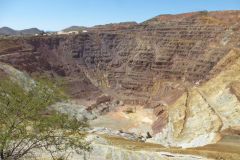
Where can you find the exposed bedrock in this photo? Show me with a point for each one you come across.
(203, 112)
(163, 63)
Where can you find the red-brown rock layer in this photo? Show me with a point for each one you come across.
(152, 63)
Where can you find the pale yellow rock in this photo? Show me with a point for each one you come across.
(199, 115)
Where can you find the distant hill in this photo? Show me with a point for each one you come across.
(11, 32)
(31, 31)
(120, 25)
(74, 28)
(7, 31)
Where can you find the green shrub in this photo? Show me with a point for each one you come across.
(27, 123)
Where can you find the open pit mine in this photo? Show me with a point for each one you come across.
(166, 88)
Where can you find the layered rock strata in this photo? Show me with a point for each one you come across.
(158, 63)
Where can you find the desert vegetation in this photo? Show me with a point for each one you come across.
(27, 124)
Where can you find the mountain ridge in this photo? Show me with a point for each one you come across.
(7, 31)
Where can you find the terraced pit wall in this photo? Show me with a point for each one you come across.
(152, 63)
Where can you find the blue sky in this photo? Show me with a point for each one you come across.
(59, 14)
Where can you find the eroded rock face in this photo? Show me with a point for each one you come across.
(105, 149)
(156, 63)
(18, 77)
(203, 112)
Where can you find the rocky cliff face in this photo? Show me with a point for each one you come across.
(201, 113)
(158, 63)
